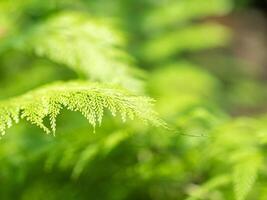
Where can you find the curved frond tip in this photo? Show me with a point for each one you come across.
(91, 99)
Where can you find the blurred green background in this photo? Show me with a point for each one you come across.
(205, 64)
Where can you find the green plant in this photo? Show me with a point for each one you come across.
(62, 56)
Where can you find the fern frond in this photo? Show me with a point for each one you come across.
(190, 39)
(244, 175)
(176, 12)
(88, 46)
(91, 99)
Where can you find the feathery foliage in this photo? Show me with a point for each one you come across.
(60, 56)
(181, 12)
(89, 46)
(245, 173)
(89, 99)
(190, 39)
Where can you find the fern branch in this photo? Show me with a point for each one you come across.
(245, 173)
(91, 99)
(190, 39)
(168, 13)
(87, 46)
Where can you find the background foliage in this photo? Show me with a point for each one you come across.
(95, 56)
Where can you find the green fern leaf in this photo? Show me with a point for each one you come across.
(190, 39)
(86, 45)
(244, 175)
(168, 13)
(91, 99)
